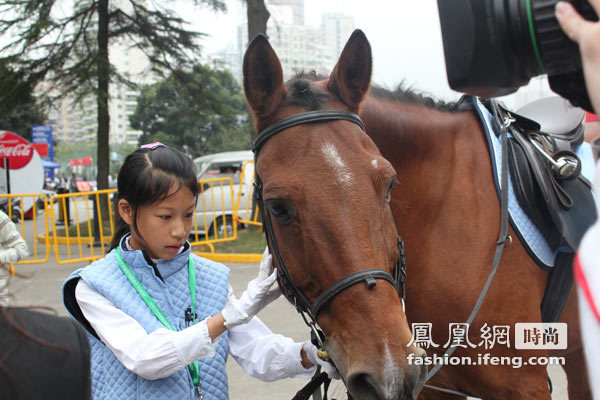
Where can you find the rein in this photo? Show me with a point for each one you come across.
(309, 311)
(507, 120)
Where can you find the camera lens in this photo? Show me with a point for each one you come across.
(492, 47)
(554, 52)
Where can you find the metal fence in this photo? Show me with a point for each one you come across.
(248, 212)
(29, 212)
(79, 226)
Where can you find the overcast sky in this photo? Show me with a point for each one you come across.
(404, 35)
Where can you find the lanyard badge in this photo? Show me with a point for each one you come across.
(194, 367)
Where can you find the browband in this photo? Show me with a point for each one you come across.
(303, 118)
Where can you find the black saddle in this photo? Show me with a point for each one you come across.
(546, 172)
(547, 181)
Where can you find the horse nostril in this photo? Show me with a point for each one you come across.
(360, 387)
(365, 387)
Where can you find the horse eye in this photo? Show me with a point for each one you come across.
(280, 210)
(389, 189)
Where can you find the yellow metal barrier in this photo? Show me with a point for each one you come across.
(226, 257)
(24, 210)
(248, 212)
(215, 213)
(77, 228)
(81, 229)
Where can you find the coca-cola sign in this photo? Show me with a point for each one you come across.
(16, 149)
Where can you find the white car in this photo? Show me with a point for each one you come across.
(226, 181)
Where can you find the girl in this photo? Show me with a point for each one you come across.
(161, 321)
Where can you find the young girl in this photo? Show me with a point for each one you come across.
(161, 321)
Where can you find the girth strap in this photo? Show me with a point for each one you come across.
(367, 275)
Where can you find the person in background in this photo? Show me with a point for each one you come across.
(73, 183)
(161, 321)
(587, 261)
(12, 249)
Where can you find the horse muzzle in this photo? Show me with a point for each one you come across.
(390, 383)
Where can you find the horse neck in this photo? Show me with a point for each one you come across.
(417, 138)
(441, 160)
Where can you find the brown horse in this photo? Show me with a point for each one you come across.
(326, 188)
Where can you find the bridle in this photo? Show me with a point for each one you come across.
(309, 311)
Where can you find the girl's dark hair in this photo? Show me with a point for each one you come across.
(147, 175)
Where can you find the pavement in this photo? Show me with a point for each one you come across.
(40, 285)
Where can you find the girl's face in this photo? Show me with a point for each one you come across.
(164, 226)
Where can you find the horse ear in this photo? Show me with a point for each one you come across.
(263, 78)
(351, 77)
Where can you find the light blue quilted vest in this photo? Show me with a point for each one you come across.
(110, 379)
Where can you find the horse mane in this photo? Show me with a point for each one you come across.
(408, 95)
(301, 93)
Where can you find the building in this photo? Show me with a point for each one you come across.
(289, 12)
(334, 32)
(76, 121)
(300, 48)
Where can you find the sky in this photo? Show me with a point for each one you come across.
(405, 37)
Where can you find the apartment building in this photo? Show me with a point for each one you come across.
(300, 48)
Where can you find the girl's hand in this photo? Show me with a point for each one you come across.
(310, 350)
(257, 296)
(587, 35)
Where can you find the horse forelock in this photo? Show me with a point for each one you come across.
(302, 93)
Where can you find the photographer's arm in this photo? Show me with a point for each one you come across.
(587, 35)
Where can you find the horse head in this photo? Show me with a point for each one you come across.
(324, 189)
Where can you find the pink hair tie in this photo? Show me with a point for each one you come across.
(152, 146)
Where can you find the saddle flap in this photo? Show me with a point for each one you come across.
(555, 115)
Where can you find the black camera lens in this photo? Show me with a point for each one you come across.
(492, 47)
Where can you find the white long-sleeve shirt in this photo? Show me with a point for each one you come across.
(12, 246)
(260, 352)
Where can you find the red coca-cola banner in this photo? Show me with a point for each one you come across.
(18, 150)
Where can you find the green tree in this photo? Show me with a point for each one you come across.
(70, 49)
(202, 110)
(19, 113)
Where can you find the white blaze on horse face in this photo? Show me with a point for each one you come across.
(374, 162)
(391, 374)
(342, 174)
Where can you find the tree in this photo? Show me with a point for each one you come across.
(22, 111)
(202, 111)
(72, 50)
(258, 16)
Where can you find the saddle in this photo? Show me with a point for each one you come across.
(547, 181)
(546, 171)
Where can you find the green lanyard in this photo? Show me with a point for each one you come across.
(193, 368)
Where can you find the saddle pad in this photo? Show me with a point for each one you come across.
(528, 233)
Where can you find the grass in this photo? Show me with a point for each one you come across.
(83, 229)
(250, 240)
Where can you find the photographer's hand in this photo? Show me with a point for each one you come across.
(587, 35)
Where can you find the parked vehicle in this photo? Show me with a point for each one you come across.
(218, 196)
